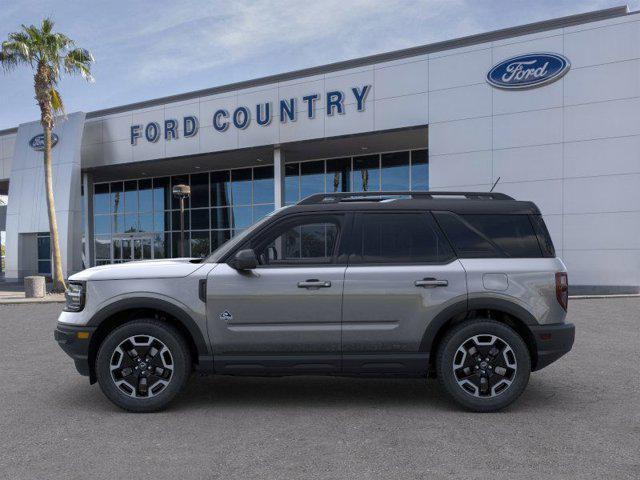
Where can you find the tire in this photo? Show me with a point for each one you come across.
(148, 346)
(461, 369)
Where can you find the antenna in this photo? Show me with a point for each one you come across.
(494, 185)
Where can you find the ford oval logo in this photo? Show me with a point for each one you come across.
(37, 142)
(528, 71)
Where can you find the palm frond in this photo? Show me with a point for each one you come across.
(56, 101)
(79, 60)
(47, 25)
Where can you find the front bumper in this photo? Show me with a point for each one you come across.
(75, 341)
(552, 342)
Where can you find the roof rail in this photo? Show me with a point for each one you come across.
(378, 196)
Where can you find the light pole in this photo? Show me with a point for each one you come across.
(181, 192)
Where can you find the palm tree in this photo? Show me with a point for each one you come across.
(47, 53)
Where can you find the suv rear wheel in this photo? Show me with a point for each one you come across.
(483, 364)
(142, 365)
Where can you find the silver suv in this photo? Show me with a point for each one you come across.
(463, 286)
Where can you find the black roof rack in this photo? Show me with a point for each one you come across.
(379, 196)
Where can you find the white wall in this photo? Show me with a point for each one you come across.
(572, 146)
(26, 206)
(7, 143)
(398, 98)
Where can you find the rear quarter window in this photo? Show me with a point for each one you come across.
(491, 235)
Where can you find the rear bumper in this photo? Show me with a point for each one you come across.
(74, 345)
(552, 342)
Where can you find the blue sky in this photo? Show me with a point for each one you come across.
(148, 49)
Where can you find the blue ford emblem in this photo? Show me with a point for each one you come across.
(528, 71)
(37, 142)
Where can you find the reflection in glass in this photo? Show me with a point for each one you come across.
(145, 222)
(131, 196)
(292, 183)
(241, 186)
(117, 248)
(117, 192)
(131, 223)
(200, 219)
(220, 189)
(161, 245)
(145, 196)
(200, 190)
(366, 173)
(102, 247)
(219, 237)
(311, 178)
(175, 220)
(101, 198)
(102, 225)
(395, 171)
(161, 194)
(200, 244)
(161, 221)
(420, 170)
(220, 218)
(260, 211)
(263, 185)
(338, 175)
(117, 224)
(242, 217)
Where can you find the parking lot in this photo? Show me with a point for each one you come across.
(579, 418)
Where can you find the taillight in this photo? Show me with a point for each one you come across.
(562, 289)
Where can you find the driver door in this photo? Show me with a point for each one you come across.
(285, 315)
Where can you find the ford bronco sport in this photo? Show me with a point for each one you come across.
(463, 286)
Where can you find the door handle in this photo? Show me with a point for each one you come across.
(314, 283)
(431, 283)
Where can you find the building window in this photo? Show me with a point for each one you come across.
(140, 219)
(44, 253)
(404, 170)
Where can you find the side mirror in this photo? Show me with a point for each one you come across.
(245, 260)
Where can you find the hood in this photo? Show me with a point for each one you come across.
(173, 268)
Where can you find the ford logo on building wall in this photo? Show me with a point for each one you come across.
(528, 71)
(37, 142)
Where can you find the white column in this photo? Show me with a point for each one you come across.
(87, 207)
(278, 176)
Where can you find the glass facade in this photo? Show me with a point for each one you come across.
(380, 172)
(140, 219)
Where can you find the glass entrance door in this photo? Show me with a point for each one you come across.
(130, 247)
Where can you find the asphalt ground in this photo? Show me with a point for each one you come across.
(578, 418)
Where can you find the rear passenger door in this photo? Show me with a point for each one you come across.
(401, 274)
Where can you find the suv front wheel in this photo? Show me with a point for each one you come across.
(142, 365)
(483, 364)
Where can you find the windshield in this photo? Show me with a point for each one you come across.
(230, 244)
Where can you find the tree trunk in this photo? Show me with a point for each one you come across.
(42, 85)
(58, 279)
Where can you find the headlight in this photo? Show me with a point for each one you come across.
(74, 297)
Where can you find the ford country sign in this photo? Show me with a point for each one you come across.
(37, 142)
(528, 71)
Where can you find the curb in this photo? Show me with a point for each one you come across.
(21, 301)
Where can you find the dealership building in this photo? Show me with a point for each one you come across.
(550, 111)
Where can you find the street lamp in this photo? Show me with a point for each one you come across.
(181, 192)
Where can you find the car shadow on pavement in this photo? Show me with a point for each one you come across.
(237, 393)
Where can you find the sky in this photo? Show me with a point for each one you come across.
(150, 49)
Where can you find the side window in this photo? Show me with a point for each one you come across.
(399, 238)
(491, 235)
(304, 240)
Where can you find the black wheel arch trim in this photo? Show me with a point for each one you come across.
(463, 307)
(155, 304)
